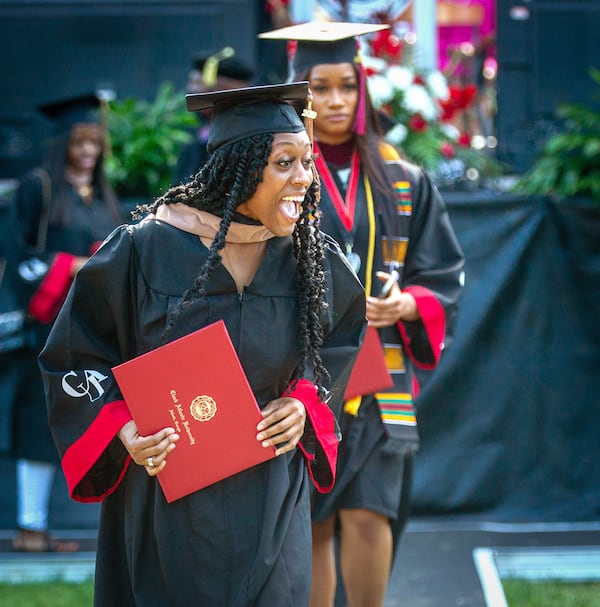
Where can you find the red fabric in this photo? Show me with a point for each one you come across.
(433, 317)
(338, 154)
(81, 456)
(344, 207)
(416, 387)
(323, 422)
(49, 297)
(271, 5)
(95, 246)
(360, 119)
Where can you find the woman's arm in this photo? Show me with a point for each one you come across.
(92, 333)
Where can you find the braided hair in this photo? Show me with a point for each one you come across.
(229, 178)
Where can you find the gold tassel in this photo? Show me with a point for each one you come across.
(309, 115)
(210, 71)
(352, 405)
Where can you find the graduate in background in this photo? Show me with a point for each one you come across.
(210, 72)
(65, 208)
(240, 243)
(394, 228)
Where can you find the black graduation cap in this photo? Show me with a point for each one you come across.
(73, 110)
(224, 63)
(240, 113)
(324, 41)
(330, 42)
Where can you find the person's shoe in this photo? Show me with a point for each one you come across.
(29, 540)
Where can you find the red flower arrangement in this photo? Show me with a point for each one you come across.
(425, 109)
(460, 99)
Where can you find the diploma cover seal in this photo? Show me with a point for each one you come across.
(203, 408)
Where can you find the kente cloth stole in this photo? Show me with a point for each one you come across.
(396, 407)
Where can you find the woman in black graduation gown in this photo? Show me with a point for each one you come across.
(391, 222)
(65, 208)
(239, 243)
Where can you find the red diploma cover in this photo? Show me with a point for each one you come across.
(370, 373)
(197, 385)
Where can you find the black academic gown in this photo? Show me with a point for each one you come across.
(244, 541)
(85, 227)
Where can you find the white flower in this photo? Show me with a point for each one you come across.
(450, 130)
(438, 85)
(400, 76)
(374, 64)
(397, 134)
(380, 89)
(418, 101)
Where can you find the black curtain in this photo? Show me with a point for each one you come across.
(510, 420)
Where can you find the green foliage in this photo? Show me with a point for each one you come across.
(423, 148)
(569, 164)
(146, 139)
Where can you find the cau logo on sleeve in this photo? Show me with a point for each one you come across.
(88, 383)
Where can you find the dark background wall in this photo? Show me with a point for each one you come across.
(545, 49)
(51, 49)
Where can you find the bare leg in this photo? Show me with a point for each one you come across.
(365, 556)
(322, 593)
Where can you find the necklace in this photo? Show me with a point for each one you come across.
(82, 184)
(85, 191)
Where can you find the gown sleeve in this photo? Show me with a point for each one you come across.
(91, 334)
(432, 274)
(344, 332)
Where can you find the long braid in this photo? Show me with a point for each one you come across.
(198, 288)
(232, 174)
(310, 276)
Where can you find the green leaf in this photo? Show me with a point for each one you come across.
(569, 164)
(146, 138)
(591, 148)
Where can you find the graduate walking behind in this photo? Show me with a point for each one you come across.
(239, 243)
(394, 228)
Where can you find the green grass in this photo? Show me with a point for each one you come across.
(519, 593)
(47, 594)
(537, 593)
